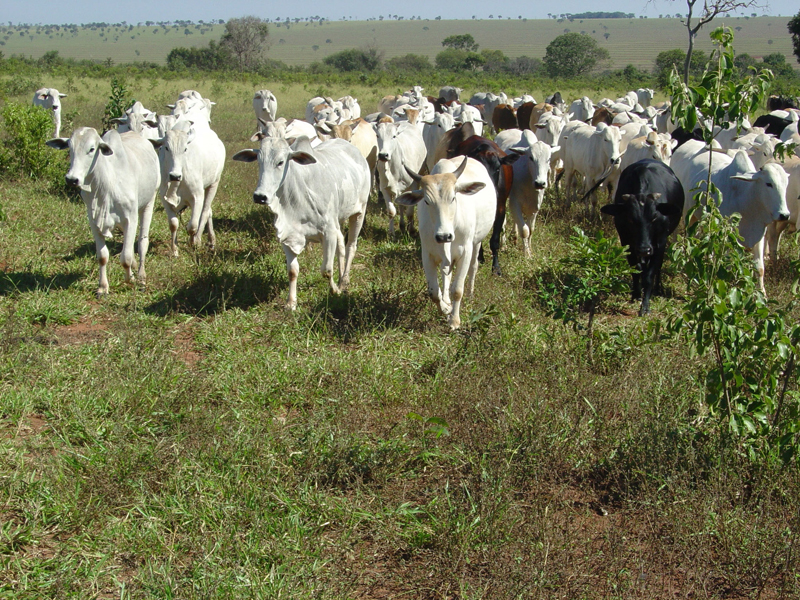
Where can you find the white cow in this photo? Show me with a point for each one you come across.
(457, 214)
(759, 196)
(656, 146)
(399, 145)
(139, 119)
(645, 96)
(760, 146)
(351, 109)
(118, 176)
(362, 135)
(191, 167)
(531, 176)
(792, 168)
(312, 191)
(50, 99)
(265, 105)
(582, 109)
(433, 132)
(591, 151)
(489, 101)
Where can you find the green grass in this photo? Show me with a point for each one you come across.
(630, 41)
(191, 439)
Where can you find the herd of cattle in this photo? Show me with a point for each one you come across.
(431, 153)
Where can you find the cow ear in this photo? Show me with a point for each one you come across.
(151, 123)
(172, 106)
(58, 143)
(42, 96)
(554, 149)
(510, 159)
(257, 136)
(157, 143)
(105, 149)
(669, 210)
(246, 155)
(410, 198)
(302, 158)
(471, 188)
(62, 95)
(612, 209)
(745, 177)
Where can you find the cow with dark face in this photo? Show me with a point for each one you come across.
(646, 209)
(499, 166)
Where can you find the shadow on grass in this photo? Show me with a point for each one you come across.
(258, 222)
(21, 282)
(394, 305)
(89, 250)
(215, 291)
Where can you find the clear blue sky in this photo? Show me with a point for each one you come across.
(86, 11)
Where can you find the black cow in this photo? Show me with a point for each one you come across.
(682, 136)
(772, 124)
(781, 102)
(646, 209)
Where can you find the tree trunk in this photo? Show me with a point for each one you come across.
(690, 5)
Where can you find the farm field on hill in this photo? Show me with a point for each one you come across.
(630, 41)
(191, 439)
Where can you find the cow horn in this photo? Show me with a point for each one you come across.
(415, 176)
(461, 168)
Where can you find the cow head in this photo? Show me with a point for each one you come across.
(537, 154)
(644, 220)
(611, 138)
(274, 158)
(439, 193)
(265, 105)
(387, 140)
(85, 149)
(173, 149)
(769, 189)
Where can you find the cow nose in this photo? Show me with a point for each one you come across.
(383, 156)
(646, 251)
(443, 238)
(783, 217)
(615, 161)
(259, 198)
(71, 180)
(175, 177)
(539, 185)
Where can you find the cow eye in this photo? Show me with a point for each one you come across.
(280, 164)
(769, 185)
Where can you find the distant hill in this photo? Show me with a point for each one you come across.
(629, 41)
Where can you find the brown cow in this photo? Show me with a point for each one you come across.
(451, 140)
(524, 115)
(504, 117)
(603, 115)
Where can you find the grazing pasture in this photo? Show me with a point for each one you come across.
(192, 439)
(629, 41)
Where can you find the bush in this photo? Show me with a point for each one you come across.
(24, 129)
(355, 59)
(413, 63)
(573, 54)
(118, 102)
(458, 60)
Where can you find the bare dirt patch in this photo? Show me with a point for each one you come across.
(85, 331)
(185, 348)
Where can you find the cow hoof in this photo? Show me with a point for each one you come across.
(100, 293)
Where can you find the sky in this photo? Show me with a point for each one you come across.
(87, 11)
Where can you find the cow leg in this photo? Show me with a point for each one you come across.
(773, 239)
(172, 219)
(356, 222)
(473, 271)
(523, 231)
(432, 277)
(758, 254)
(330, 243)
(102, 259)
(193, 224)
(647, 276)
(205, 217)
(128, 227)
(145, 217)
(461, 266)
(293, 270)
(497, 231)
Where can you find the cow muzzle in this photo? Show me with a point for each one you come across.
(783, 217)
(175, 176)
(645, 251)
(539, 185)
(260, 198)
(443, 238)
(72, 180)
(383, 157)
(616, 161)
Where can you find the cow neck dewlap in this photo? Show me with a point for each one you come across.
(100, 191)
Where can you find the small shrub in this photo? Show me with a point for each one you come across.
(23, 132)
(118, 102)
